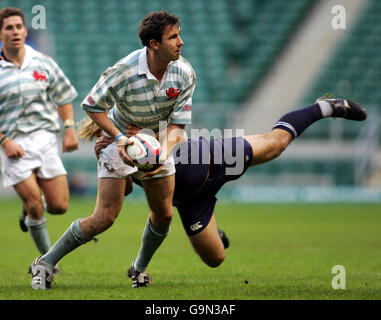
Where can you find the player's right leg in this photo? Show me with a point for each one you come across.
(109, 202)
(268, 146)
(291, 125)
(344, 108)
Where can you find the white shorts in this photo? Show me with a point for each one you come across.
(110, 165)
(41, 155)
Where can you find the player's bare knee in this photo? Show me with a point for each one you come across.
(215, 260)
(56, 209)
(34, 208)
(212, 258)
(163, 217)
(101, 221)
(167, 217)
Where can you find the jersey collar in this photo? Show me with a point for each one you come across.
(143, 65)
(3, 56)
(30, 53)
(4, 62)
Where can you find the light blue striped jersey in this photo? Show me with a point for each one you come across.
(135, 96)
(29, 95)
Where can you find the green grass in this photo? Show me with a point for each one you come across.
(280, 251)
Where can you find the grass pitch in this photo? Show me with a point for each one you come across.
(282, 251)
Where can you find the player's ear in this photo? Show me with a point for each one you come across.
(154, 44)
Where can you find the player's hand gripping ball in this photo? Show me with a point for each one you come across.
(144, 152)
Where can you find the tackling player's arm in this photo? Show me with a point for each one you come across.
(174, 134)
(169, 138)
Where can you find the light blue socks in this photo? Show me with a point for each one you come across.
(71, 239)
(151, 241)
(39, 233)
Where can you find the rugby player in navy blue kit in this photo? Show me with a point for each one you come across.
(198, 181)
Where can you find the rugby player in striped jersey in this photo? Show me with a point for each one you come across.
(151, 88)
(34, 95)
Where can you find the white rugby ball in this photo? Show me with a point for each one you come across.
(145, 151)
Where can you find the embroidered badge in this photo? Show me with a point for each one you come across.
(172, 93)
(39, 76)
(91, 101)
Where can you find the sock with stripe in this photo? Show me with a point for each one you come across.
(296, 122)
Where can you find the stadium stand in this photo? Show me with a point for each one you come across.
(229, 49)
(231, 44)
(353, 71)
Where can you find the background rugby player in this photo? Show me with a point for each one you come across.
(34, 95)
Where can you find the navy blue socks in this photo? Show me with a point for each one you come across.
(296, 122)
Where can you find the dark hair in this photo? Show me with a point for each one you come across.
(154, 24)
(9, 12)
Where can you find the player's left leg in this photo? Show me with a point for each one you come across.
(29, 192)
(208, 244)
(56, 193)
(159, 193)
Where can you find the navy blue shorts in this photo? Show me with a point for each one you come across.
(196, 187)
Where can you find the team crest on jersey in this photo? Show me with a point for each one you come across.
(91, 101)
(39, 76)
(172, 93)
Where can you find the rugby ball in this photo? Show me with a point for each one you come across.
(145, 151)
